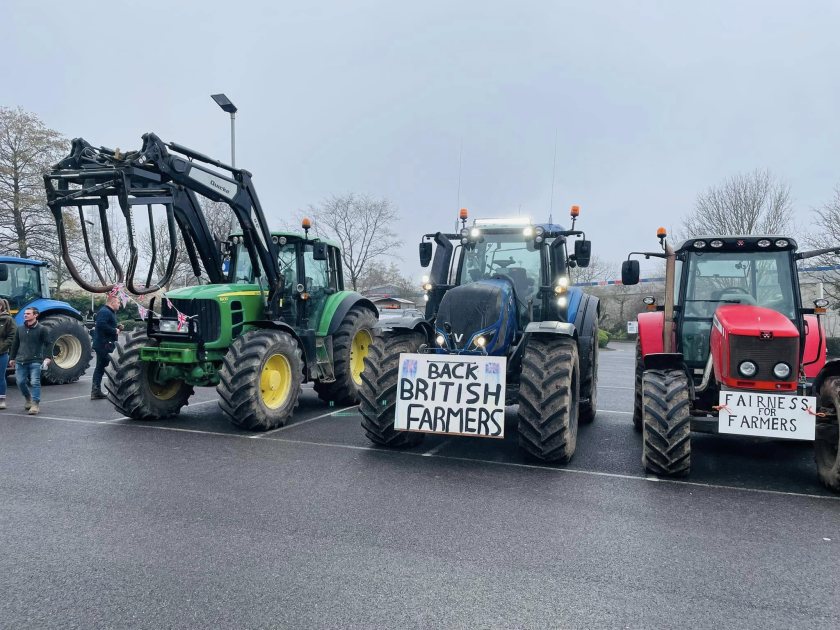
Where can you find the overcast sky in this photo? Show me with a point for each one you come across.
(650, 102)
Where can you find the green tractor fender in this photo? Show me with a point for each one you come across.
(336, 308)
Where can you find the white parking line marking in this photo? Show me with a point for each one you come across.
(431, 452)
(302, 422)
(625, 413)
(613, 387)
(470, 460)
(63, 399)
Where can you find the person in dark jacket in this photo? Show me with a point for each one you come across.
(8, 330)
(105, 333)
(30, 352)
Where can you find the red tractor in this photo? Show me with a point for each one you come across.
(732, 350)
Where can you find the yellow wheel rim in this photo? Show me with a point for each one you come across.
(67, 351)
(275, 381)
(359, 348)
(166, 391)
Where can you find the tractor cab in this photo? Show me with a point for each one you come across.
(749, 271)
(310, 268)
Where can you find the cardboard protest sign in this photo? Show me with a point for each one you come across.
(767, 415)
(456, 394)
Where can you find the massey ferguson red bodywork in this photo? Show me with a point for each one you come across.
(768, 330)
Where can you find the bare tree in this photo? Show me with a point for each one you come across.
(362, 226)
(27, 149)
(827, 234)
(747, 203)
(598, 271)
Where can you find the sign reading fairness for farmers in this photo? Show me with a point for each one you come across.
(460, 394)
(767, 415)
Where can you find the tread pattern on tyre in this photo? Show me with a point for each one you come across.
(344, 390)
(637, 389)
(589, 378)
(378, 392)
(239, 379)
(55, 375)
(548, 398)
(827, 442)
(126, 384)
(666, 420)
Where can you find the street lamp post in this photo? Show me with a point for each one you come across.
(224, 102)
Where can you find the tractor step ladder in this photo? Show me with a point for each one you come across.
(324, 359)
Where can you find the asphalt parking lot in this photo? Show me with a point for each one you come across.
(105, 522)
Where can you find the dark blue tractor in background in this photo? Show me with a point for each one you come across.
(24, 283)
(500, 288)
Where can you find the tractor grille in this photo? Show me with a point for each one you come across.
(765, 353)
(209, 316)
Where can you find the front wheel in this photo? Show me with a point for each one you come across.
(71, 349)
(827, 442)
(549, 393)
(260, 379)
(132, 385)
(379, 389)
(666, 423)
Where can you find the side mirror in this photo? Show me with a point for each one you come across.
(425, 254)
(630, 272)
(319, 250)
(583, 252)
(4, 272)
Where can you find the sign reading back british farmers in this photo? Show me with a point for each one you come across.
(459, 394)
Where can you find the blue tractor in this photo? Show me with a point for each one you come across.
(499, 288)
(24, 283)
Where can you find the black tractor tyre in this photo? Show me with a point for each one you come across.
(588, 350)
(637, 389)
(260, 379)
(131, 387)
(827, 438)
(71, 349)
(549, 396)
(379, 388)
(351, 344)
(666, 423)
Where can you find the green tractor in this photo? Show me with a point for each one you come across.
(274, 313)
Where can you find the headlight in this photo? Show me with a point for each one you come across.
(441, 340)
(716, 244)
(781, 370)
(699, 244)
(168, 326)
(425, 297)
(465, 240)
(480, 341)
(562, 301)
(427, 286)
(539, 239)
(540, 230)
(465, 232)
(475, 233)
(781, 243)
(562, 285)
(528, 232)
(748, 369)
(763, 243)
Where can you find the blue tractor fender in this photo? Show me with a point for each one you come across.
(575, 296)
(48, 307)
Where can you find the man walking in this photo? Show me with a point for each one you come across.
(30, 348)
(105, 332)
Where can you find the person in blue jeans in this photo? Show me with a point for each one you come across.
(29, 351)
(8, 329)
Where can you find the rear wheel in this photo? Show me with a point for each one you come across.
(379, 389)
(260, 379)
(666, 431)
(549, 392)
(71, 349)
(637, 390)
(351, 344)
(827, 443)
(132, 385)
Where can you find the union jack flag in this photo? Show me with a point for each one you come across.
(143, 311)
(182, 319)
(169, 304)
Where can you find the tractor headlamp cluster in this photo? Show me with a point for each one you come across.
(763, 243)
(539, 231)
(562, 285)
(748, 369)
(440, 340)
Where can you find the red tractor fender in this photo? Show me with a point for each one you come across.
(814, 357)
(651, 325)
